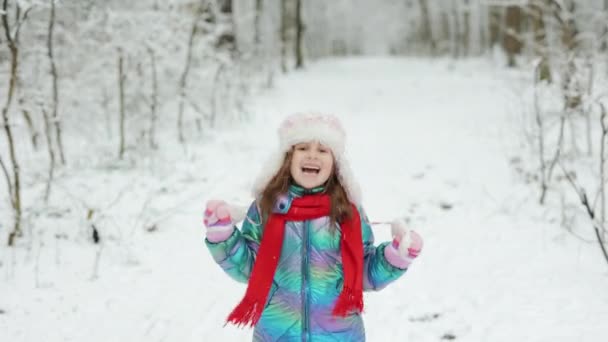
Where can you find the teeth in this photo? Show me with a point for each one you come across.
(314, 169)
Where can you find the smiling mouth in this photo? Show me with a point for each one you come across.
(311, 170)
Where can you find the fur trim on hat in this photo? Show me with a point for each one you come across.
(299, 128)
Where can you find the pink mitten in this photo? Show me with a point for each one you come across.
(218, 221)
(405, 247)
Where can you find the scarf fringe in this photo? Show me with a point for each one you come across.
(348, 302)
(248, 312)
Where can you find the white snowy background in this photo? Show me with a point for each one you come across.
(440, 141)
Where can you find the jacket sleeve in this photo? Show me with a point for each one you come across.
(377, 271)
(236, 255)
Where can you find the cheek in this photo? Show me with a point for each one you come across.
(292, 167)
(295, 158)
(330, 163)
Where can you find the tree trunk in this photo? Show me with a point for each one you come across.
(284, 39)
(184, 77)
(540, 46)
(55, 103)
(426, 33)
(49, 143)
(217, 86)
(456, 30)
(257, 26)
(121, 97)
(495, 24)
(14, 186)
(226, 6)
(445, 27)
(570, 86)
(153, 101)
(605, 41)
(30, 124)
(466, 30)
(299, 36)
(512, 43)
(483, 27)
(603, 169)
(569, 29)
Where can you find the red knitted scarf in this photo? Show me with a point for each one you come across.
(309, 207)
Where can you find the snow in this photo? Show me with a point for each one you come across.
(424, 135)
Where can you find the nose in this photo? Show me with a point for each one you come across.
(312, 154)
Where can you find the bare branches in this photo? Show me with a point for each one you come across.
(5, 24)
(585, 203)
(598, 226)
(541, 139)
(49, 143)
(9, 183)
(184, 76)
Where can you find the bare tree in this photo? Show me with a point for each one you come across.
(55, 88)
(183, 80)
(153, 100)
(466, 28)
(587, 113)
(603, 169)
(28, 120)
(121, 105)
(455, 31)
(605, 34)
(535, 13)
(257, 25)
(225, 6)
(604, 46)
(546, 170)
(426, 34)
(51, 151)
(512, 43)
(217, 81)
(598, 226)
(284, 35)
(299, 36)
(495, 24)
(14, 185)
(541, 142)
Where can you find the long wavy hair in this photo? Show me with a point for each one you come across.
(279, 184)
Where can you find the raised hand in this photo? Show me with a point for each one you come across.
(218, 221)
(406, 245)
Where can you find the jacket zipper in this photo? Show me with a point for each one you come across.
(305, 276)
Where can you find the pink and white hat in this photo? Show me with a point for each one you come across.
(303, 127)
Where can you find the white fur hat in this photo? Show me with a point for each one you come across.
(303, 127)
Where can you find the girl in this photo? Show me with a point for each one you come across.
(306, 249)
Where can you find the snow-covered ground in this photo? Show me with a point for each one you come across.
(429, 140)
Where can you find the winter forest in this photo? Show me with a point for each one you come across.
(482, 123)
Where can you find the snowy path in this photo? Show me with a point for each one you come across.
(422, 137)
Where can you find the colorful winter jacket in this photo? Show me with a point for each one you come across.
(308, 278)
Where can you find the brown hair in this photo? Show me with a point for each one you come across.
(279, 184)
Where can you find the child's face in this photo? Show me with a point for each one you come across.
(311, 164)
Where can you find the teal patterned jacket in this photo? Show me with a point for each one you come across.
(308, 278)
